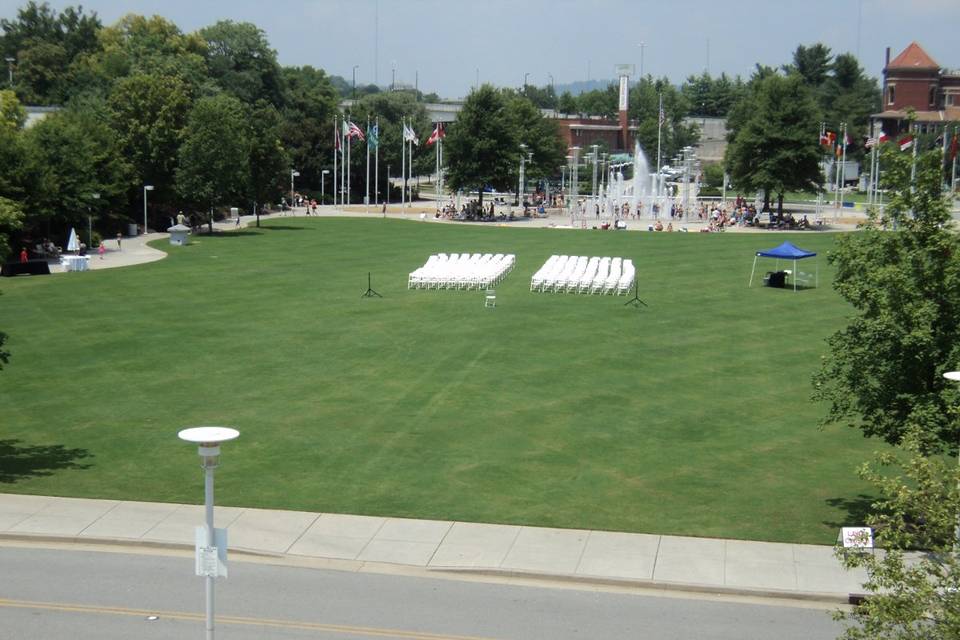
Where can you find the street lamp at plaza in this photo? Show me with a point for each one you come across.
(92, 196)
(293, 174)
(525, 76)
(10, 62)
(642, 45)
(355, 67)
(146, 187)
(523, 159)
(323, 184)
(209, 558)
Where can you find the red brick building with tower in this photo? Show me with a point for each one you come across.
(913, 80)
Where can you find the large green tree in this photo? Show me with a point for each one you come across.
(307, 122)
(214, 160)
(240, 60)
(69, 156)
(269, 162)
(883, 371)
(149, 113)
(774, 138)
(481, 147)
(913, 585)
(540, 135)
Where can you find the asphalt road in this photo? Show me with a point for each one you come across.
(51, 594)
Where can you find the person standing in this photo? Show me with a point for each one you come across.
(24, 257)
(101, 250)
(119, 236)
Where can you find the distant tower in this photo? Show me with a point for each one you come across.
(624, 71)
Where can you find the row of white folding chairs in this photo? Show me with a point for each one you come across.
(461, 271)
(583, 275)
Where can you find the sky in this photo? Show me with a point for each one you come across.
(445, 45)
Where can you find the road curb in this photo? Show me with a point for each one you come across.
(339, 564)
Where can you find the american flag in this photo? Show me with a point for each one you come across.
(355, 132)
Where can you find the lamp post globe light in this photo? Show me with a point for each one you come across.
(209, 440)
(293, 174)
(146, 187)
(323, 184)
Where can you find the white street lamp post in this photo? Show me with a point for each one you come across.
(94, 196)
(146, 187)
(954, 376)
(209, 439)
(293, 174)
(10, 62)
(523, 158)
(323, 184)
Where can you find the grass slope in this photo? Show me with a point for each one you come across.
(691, 416)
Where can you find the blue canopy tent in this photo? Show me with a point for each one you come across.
(786, 251)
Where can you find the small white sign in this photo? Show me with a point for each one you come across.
(856, 537)
(210, 561)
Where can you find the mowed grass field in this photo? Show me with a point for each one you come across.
(690, 416)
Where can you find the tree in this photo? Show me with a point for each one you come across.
(268, 160)
(540, 135)
(307, 128)
(240, 60)
(149, 113)
(912, 595)
(44, 44)
(481, 146)
(811, 63)
(568, 104)
(214, 159)
(883, 371)
(774, 141)
(11, 220)
(69, 156)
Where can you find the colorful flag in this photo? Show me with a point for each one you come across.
(882, 137)
(437, 134)
(870, 142)
(905, 142)
(953, 147)
(355, 132)
(827, 138)
(409, 135)
(373, 136)
(336, 141)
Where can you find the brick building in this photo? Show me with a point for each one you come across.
(914, 80)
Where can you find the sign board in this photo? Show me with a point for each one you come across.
(624, 89)
(856, 537)
(624, 70)
(210, 561)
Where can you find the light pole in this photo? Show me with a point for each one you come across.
(954, 376)
(388, 184)
(593, 183)
(146, 187)
(323, 184)
(93, 196)
(293, 174)
(208, 557)
(523, 158)
(355, 67)
(393, 75)
(642, 45)
(10, 62)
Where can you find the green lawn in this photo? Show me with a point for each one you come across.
(690, 416)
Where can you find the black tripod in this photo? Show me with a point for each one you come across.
(636, 295)
(369, 293)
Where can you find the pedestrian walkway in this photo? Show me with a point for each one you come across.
(365, 542)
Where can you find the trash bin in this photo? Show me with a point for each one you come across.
(132, 230)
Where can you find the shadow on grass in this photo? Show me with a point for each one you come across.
(19, 461)
(283, 227)
(855, 511)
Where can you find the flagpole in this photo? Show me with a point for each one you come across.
(336, 176)
(436, 184)
(366, 198)
(376, 167)
(343, 163)
(349, 167)
(403, 165)
(953, 174)
(659, 127)
(843, 164)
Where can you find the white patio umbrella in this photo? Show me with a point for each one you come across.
(73, 244)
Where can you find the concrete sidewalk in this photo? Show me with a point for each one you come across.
(672, 562)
